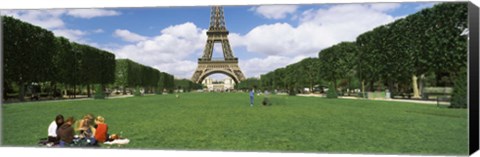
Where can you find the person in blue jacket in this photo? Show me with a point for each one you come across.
(252, 93)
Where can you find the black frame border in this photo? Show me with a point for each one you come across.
(473, 79)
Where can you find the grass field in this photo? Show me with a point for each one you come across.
(225, 121)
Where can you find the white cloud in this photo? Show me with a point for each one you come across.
(91, 13)
(49, 19)
(235, 40)
(425, 5)
(317, 30)
(169, 51)
(72, 34)
(281, 43)
(128, 36)
(275, 11)
(217, 51)
(98, 31)
(52, 20)
(256, 66)
(180, 68)
(174, 47)
(385, 6)
(285, 44)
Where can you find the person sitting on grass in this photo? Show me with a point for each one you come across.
(266, 101)
(65, 132)
(101, 131)
(85, 125)
(52, 130)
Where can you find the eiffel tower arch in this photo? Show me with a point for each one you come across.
(228, 65)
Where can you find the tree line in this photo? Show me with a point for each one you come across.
(37, 61)
(132, 75)
(187, 85)
(34, 55)
(427, 48)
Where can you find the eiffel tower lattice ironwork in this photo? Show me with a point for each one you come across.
(217, 33)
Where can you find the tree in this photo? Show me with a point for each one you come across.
(448, 48)
(107, 67)
(249, 83)
(132, 74)
(121, 74)
(332, 93)
(293, 78)
(28, 50)
(460, 90)
(166, 82)
(280, 79)
(88, 66)
(311, 70)
(398, 62)
(185, 85)
(336, 61)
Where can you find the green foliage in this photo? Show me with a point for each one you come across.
(447, 47)
(311, 70)
(35, 55)
(429, 41)
(28, 53)
(293, 78)
(66, 62)
(107, 67)
(99, 94)
(460, 90)
(137, 92)
(332, 92)
(225, 121)
(187, 85)
(166, 82)
(129, 74)
(274, 80)
(249, 84)
(121, 74)
(292, 91)
(337, 61)
(367, 61)
(304, 74)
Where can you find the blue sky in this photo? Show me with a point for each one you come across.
(262, 37)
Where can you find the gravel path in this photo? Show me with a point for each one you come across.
(433, 102)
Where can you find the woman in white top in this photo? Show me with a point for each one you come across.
(52, 129)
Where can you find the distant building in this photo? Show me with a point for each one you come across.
(218, 85)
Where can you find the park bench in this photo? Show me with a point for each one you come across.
(440, 93)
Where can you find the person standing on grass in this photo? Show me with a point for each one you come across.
(252, 94)
(66, 132)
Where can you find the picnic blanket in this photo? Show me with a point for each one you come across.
(118, 142)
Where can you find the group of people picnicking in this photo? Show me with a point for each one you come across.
(92, 131)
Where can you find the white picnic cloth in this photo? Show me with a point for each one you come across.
(118, 141)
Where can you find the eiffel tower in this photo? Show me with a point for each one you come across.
(217, 33)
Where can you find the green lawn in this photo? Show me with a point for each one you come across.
(225, 121)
